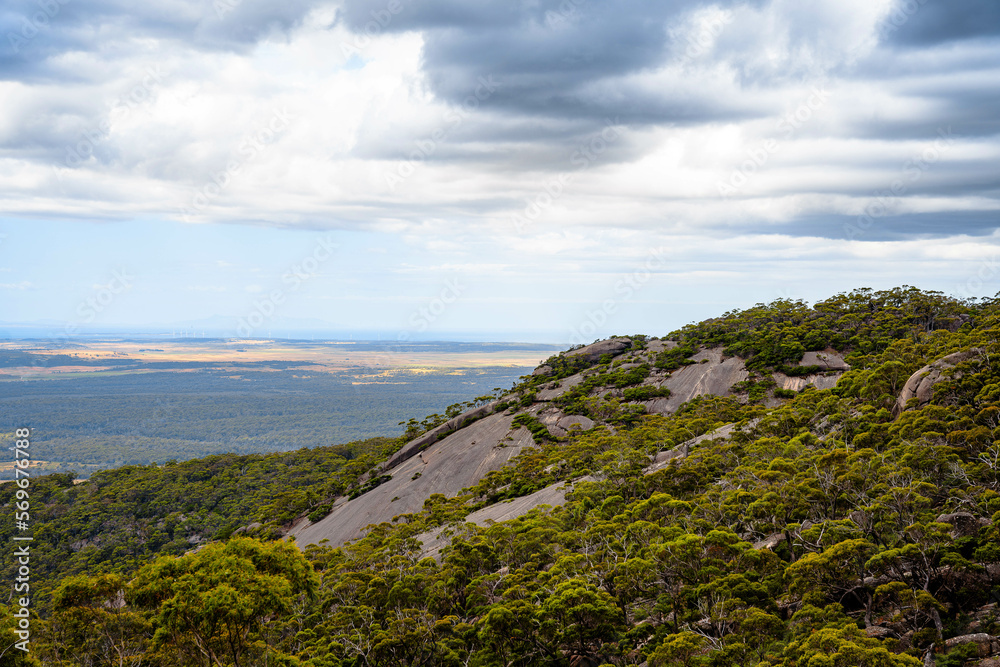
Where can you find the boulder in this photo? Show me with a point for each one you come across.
(661, 345)
(828, 360)
(878, 632)
(966, 524)
(981, 639)
(594, 352)
(569, 421)
(770, 541)
(921, 384)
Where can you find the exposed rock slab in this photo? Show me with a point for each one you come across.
(829, 360)
(661, 345)
(447, 466)
(569, 421)
(921, 384)
(552, 495)
(715, 376)
(414, 446)
(564, 385)
(594, 352)
(820, 381)
(661, 459)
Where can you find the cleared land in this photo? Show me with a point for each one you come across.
(113, 402)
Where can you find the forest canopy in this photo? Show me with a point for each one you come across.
(829, 528)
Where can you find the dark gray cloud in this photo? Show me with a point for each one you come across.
(579, 59)
(567, 59)
(888, 227)
(35, 32)
(930, 22)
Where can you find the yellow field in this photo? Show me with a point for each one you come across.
(233, 355)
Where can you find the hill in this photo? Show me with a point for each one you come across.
(784, 485)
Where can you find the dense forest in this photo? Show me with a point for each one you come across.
(91, 423)
(833, 528)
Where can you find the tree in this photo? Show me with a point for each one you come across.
(92, 624)
(214, 604)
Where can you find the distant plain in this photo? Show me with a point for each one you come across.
(107, 402)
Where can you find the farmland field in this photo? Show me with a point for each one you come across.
(111, 402)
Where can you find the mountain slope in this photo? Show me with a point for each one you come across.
(853, 523)
(459, 454)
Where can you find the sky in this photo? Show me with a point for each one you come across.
(544, 170)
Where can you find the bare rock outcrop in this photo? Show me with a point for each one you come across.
(965, 524)
(712, 374)
(660, 345)
(560, 388)
(594, 352)
(828, 360)
(447, 466)
(555, 494)
(985, 643)
(569, 421)
(820, 381)
(552, 495)
(921, 384)
(414, 446)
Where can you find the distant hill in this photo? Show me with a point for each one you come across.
(786, 485)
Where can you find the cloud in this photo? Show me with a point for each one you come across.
(448, 121)
(38, 34)
(926, 22)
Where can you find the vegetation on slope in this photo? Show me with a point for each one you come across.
(829, 531)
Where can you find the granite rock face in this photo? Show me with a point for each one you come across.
(921, 384)
(462, 451)
(457, 461)
(712, 374)
(593, 352)
(828, 360)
